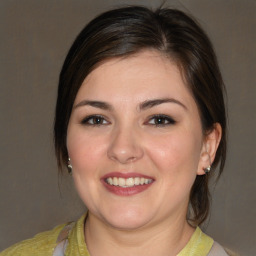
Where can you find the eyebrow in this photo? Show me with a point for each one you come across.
(151, 103)
(143, 106)
(95, 104)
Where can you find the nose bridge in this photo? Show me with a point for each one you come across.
(125, 144)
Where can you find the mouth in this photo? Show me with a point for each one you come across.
(129, 182)
(126, 184)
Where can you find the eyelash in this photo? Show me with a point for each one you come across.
(164, 118)
(92, 118)
(100, 120)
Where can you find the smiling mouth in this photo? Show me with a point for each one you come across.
(129, 182)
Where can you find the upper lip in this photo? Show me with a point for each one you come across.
(126, 175)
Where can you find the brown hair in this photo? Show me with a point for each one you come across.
(128, 30)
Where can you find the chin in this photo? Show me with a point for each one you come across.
(127, 219)
(127, 224)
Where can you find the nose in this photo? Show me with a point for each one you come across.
(125, 146)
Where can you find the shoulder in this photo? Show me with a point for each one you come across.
(217, 250)
(41, 244)
(202, 244)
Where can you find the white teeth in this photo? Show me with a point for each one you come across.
(115, 181)
(130, 182)
(110, 181)
(137, 181)
(121, 182)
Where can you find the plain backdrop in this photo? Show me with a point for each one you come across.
(35, 37)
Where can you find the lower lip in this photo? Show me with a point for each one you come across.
(129, 191)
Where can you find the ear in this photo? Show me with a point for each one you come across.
(209, 148)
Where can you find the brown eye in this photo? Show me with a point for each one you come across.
(161, 120)
(95, 120)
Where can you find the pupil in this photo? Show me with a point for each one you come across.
(159, 120)
(97, 120)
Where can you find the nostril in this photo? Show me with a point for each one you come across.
(128, 155)
(131, 159)
(123, 158)
(125, 146)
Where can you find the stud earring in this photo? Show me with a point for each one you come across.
(69, 167)
(207, 169)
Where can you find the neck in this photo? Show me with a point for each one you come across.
(167, 238)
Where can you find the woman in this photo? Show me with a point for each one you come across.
(140, 124)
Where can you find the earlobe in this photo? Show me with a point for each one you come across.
(209, 149)
(204, 162)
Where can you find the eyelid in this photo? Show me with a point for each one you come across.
(170, 120)
(85, 120)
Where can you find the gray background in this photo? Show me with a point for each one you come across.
(35, 37)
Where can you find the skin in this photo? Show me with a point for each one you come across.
(127, 140)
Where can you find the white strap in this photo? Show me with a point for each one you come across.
(60, 248)
(62, 240)
(217, 250)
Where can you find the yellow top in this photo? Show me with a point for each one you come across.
(43, 244)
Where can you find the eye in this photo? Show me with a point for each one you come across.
(161, 120)
(95, 120)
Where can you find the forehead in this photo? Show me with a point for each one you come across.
(143, 65)
(140, 76)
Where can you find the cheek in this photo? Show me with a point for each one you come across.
(84, 151)
(176, 153)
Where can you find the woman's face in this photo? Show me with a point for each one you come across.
(135, 141)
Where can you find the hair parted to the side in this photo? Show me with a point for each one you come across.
(129, 30)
